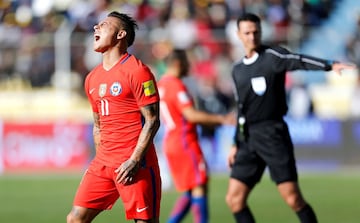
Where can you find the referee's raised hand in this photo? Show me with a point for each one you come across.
(338, 67)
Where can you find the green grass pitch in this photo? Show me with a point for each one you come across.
(44, 198)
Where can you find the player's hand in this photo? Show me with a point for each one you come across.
(231, 156)
(339, 67)
(126, 171)
(230, 119)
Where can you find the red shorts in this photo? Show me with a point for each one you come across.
(187, 165)
(99, 190)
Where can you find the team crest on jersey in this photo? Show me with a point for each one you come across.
(258, 84)
(149, 88)
(115, 89)
(102, 90)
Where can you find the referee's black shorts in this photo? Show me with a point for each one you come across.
(269, 144)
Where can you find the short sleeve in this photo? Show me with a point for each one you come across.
(182, 97)
(87, 92)
(144, 86)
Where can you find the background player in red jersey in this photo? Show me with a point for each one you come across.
(181, 147)
(125, 103)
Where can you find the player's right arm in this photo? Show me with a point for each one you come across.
(196, 116)
(203, 118)
(96, 130)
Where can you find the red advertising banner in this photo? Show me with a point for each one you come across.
(44, 146)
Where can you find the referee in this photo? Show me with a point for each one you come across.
(262, 137)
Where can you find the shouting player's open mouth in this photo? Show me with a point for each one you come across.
(96, 37)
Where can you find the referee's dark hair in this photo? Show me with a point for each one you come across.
(128, 24)
(248, 17)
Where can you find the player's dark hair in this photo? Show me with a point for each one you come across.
(180, 56)
(128, 24)
(248, 17)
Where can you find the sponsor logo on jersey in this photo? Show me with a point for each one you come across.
(92, 90)
(149, 88)
(258, 84)
(115, 89)
(102, 90)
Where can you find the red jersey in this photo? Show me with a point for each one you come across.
(175, 97)
(117, 95)
(181, 139)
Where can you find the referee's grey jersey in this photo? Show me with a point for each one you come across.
(260, 81)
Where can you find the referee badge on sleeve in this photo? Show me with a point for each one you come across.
(149, 88)
(258, 84)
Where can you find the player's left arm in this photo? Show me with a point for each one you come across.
(96, 130)
(150, 128)
(129, 168)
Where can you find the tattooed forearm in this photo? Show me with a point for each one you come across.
(96, 131)
(75, 212)
(150, 128)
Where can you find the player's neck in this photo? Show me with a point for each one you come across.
(171, 71)
(112, 57)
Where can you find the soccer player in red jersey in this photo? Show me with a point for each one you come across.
(181, 147)
(125, 102)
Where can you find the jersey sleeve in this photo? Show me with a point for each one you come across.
(182, 98)
(144, 86)
(291, 61)
(87, 92)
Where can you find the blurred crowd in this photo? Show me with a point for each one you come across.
(30, 30)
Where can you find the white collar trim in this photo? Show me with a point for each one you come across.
(248, 61)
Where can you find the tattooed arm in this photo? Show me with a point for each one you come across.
(96, 130)
(150, 128)
(128, 169)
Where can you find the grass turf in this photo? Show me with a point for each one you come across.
(43, 198)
